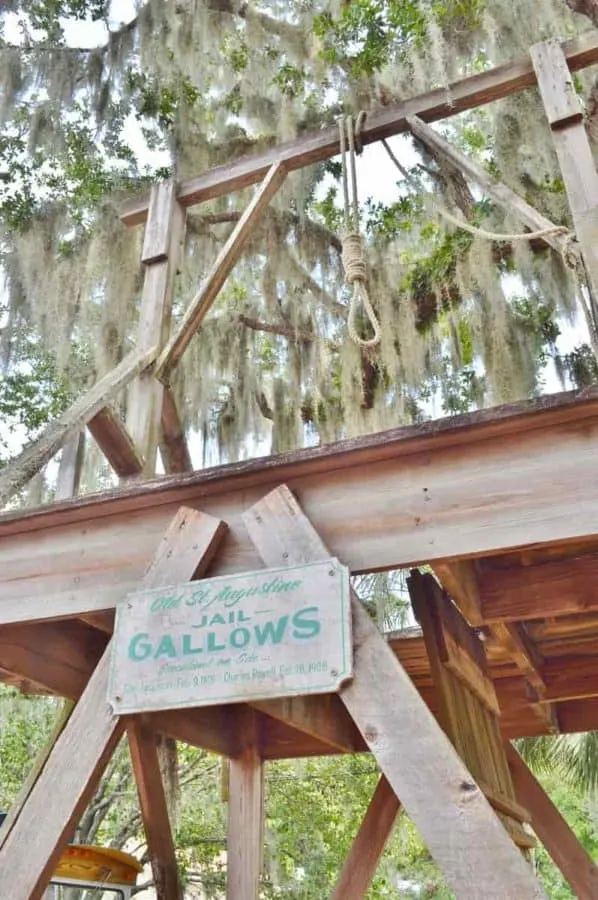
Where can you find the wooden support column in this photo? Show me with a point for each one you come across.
(143, 744)
(462, 832)
(164, 233)
(575, 864)
(69, 470)
(565, 117)
(360, 865)
(76, 763)
(245, 814)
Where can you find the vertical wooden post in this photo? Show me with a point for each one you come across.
(565, 117)
(245, 814)
(69, 470)
(576, 865)
(164, 233)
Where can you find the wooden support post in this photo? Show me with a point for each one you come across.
(69, 470)
(462, 832)
(576, 866)
(173, 446)
(143, 744)
(360, 865)
(75, 765)
(35, 455)
(565, 117)
(245, 814)
(115, 442)
(225, 261)
(164, 233)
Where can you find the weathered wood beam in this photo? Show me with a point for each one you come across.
(572, 145)
(570, 677)
(37, 454)
(497, 190)
(75, 765)
(479, 860)
(576, 866)
(555, 588)
(225, 261)
(368, 846)
(164, 234)
(212, 728)
(111, 435)
(154, 809)
(174, 449)
(462, 95)
(245, 813)
(323, 717)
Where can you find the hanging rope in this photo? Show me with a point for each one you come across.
(352, 255)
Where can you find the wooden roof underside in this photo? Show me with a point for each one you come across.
(502, 503)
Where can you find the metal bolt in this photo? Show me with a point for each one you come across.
(285, 555)
(333, 673)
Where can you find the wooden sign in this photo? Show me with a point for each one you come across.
(272, 633)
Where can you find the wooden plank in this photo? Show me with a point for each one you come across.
(111, 435)
(570, 677)
(426, 497)
(245, 814)
(317, 146)
(164, 235)
(561, 843)
(37, 454)
(325, 718)
(362, 860)
(75, 765)
(497, 190)
(69, 470)
(154, 809)
(460, 579)
(563, 110)
(536, 592)
(215, 728)
(174, 449)
(460, 829)
(223, 266)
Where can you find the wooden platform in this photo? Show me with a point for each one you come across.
(502, 503)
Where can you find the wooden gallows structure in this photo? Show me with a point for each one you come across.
(501, 505)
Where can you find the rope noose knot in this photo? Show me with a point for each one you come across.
(352, 249)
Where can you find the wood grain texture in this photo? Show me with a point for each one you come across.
(69, 470)
(368, 846)
(462, 833)
(245, 814)
(223, 265)
(324, 718)
(154, 809)
(80, 754)
(174, 449)
(468, 93)
(575, 864)
(111, 435)
(456, 488)
(165, 230)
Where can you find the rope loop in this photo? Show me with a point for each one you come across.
(352, 254)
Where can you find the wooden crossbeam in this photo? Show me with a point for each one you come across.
(454, 818)
(324, 718)
(225, 261)
(362, 860)
(537, 457)
(111, 435)
(498, 190)
(561, 843)
(75, 765)
(154, 809)
(32, 458)
(468, 93)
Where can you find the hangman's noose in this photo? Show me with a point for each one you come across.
(353, 260)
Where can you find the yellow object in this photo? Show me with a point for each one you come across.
(102, 865)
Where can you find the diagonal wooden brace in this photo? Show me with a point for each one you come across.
(461, 830)
(74, 767)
